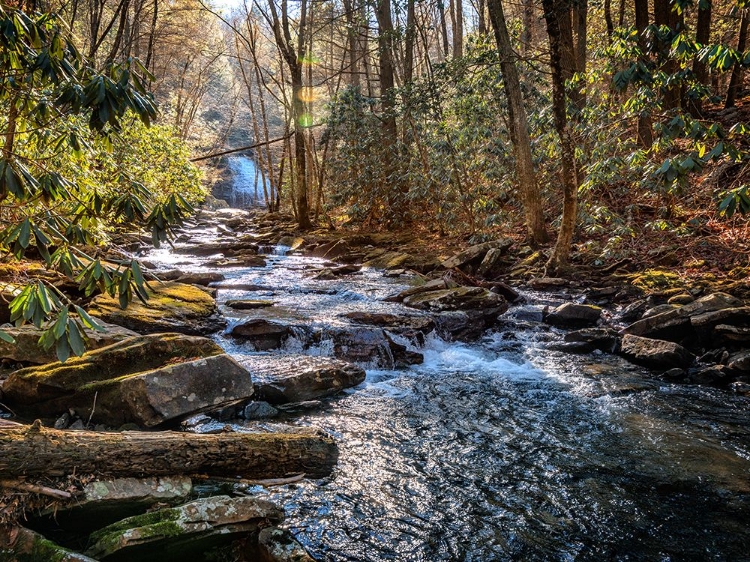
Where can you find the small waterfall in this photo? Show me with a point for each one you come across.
(246, 188)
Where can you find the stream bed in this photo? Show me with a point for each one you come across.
(501, 449)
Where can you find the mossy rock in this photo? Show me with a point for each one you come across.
(172, 307)
(33, 547)
(185, 532)
(148, 380)
(656, 279)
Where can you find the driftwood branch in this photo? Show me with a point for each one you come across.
(241, 149)
(34, 450)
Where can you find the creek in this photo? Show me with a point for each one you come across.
(500, 449)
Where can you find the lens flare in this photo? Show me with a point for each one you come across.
(305, 120)
(307, 94)
(309, 59)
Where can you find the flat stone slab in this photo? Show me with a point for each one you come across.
(298, 378)
(183, 533)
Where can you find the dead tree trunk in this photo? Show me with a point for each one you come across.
(37, 451)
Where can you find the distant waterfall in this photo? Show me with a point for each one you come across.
(246, 188)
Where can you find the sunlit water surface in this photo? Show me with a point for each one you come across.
(500, 449)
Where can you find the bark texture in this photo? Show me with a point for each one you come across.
(37, 451)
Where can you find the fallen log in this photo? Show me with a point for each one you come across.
(38, 451)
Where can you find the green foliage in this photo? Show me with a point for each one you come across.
(78, 159)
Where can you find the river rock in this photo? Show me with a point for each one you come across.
(147, 380)
(395, 323)
(476, 253)
(279, 545)
(713, 375)
(18, 544)
(103, 502)
(432, 285)
(202, 248)
(739, 362)
(27, 350)
(369, 345)
(291, 242)
(572, 314)
(732, 335)
(248, 304)
(289, 378)
(172, 307)
(183, 533)
(331, 250)
(460, 298)
(491, 262)
(238, 261)
(655, 353)
(589, 339)
(263, 334)
(548, 283)
(697, 317)
(259, 410)
(204, 278)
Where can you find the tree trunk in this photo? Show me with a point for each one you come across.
(608, 18)
(387, 101)
(409, 42)
(481, 21)
(443, 27)
(556, 13)
(645, 128)
(457, 21)
(527, 34)
(37, 451)
(352, 32)
(700, 70)
(519, 130)
(735, 83)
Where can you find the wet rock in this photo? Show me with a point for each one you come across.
(491, 262)
(674, 374)
(147, 380)
(590, 339)
(634, 311)
(548, 283)
(386, 260)
(732, 335)
(301, 378)
(655, 353)
(104, 502)
(279, 545)
(477, 253)
(369, 345)
(331, 250)
(185, 532)
(658, 309)
(459, 298)
(713, 375)
(572, 314)
(263, 334)
(27, 350)
(239, 261)
(20, 545)
(292, 242)
(248, 304)
(330, 273)
(200, 278)
(223, 247)
(739, 316)
(466, 325)
(259, 410)
(393, 322)
(172, 307)
(508, 292)
(741, 388)
(433, 285)
(739, 362)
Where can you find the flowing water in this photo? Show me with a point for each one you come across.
(501, 449)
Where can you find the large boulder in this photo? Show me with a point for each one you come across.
(18, 544)
(279, 545)
(693, 319)
(475, 254)
(186, 532)
(262, 334)
(26, 347)
(369, 345)
(147, 380)
(459, 298)
(287, 378)
(574, 315)
(171, 307)
(655, 353)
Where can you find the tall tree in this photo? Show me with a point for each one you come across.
(519, 129)
(293, 56)
(645, 130)
(735, 82)
(557, 18)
